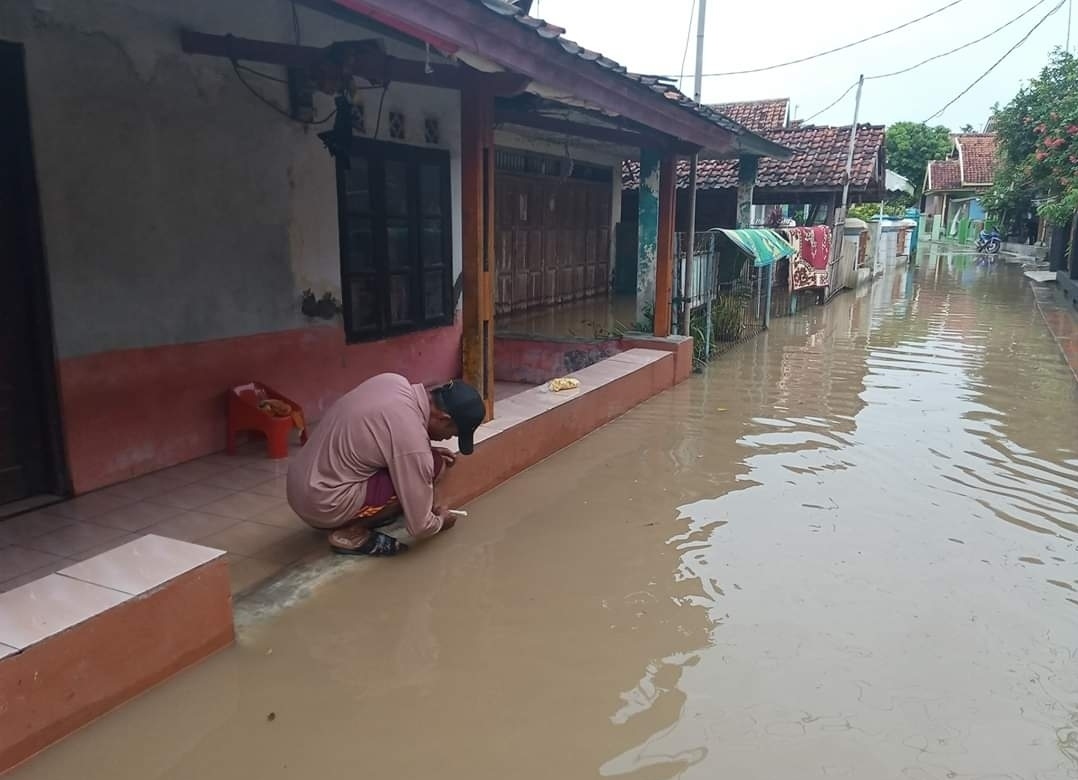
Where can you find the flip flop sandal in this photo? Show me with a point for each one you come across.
(378, 545)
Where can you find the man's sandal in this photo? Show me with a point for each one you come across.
(378, 545)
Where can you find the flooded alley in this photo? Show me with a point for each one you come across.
(847, 550)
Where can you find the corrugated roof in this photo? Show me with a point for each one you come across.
(819, 161)
(757, 115)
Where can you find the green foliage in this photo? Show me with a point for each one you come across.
(1038, 142)
(893, 208)
(910, 145)
(728, 317)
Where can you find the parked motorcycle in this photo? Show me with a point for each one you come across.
(989, 242)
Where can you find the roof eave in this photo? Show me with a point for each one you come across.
(468, 26)
(750, 144)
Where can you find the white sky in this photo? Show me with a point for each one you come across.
(649, 37)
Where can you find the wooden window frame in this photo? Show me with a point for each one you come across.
(377, 154)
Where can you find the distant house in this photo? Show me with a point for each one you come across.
(953, 187)
(758, 115)
(809, 184)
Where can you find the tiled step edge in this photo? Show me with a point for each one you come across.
(93, 636)
(537, 423)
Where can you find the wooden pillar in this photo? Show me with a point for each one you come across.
(477, 220)
(746, 183)
(664, 255)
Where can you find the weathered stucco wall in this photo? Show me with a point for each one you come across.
(177, 207)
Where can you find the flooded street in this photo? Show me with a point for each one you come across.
(846, 551)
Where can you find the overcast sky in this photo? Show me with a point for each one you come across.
(649, 36)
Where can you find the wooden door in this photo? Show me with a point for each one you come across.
(553, 240)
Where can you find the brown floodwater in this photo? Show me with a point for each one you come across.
(847, 550)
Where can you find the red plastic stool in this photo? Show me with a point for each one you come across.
(244, 414)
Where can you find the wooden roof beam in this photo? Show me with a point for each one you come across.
(593, 132)
(365, 59)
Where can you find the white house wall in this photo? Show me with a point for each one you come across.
(176, 206)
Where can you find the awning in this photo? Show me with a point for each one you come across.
(762, 245)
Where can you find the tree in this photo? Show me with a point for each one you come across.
(910, 145)
(1038, 143)
(967, 128)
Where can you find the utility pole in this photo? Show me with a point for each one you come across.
(853, 143)
(840, 218)
(690, 242)
(1070, 11)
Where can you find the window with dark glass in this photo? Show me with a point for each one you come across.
(396, 250)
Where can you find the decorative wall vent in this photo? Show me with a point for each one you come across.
(432, 131)
(397, 129)
(359, 119)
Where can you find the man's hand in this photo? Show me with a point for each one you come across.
(448, 458)
(448, 518)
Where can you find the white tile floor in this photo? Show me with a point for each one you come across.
(235, 504)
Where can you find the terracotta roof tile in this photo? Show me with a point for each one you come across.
(943, 175)
(819, 161)
(757, 115)
(978, 155)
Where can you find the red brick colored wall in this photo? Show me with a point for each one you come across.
(133, 411)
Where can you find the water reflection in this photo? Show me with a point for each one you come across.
(878, 591)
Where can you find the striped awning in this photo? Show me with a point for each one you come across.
(762, 245)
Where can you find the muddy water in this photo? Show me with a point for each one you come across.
(846, 551)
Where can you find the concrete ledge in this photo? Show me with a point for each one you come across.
(537, 423)
(77, 648)
(680, 346)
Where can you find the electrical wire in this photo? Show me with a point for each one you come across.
(295, 22)
(238, 69)
(688, 37)
(381, 102)
(933, 58)
(260, 74)
(992, 67)
(800, 60)
(985, 37)
(832, 104)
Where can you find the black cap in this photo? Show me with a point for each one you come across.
(463, 403)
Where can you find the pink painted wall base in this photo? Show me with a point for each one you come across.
(130, 412)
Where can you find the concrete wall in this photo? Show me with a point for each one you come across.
(182, 219)
(176, 206)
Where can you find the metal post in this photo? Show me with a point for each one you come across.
(879, 242)
(690, 243)
(853, 142)
(690, 249)
(770, 284)
(1070, 10)
(839, 220)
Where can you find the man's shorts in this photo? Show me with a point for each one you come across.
(381, 493)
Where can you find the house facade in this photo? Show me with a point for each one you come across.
(304, 194)
(953, 187)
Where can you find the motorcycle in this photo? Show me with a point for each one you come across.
(989, 242)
